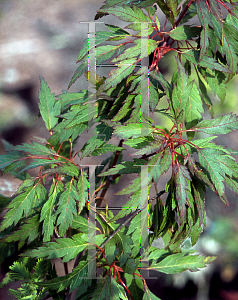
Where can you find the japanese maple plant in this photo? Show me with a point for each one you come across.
(64, 212)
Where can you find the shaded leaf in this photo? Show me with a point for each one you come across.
(135, 285)
(47, 212)
(28, 231)
(66, 248)
(22, 204)
(67, 208)
(181, 175)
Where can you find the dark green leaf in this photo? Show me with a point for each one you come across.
(181, 175)
(49, 107)
(67, 208)
(34, 149)
(206, 62)
(68, 99)
(65, 168)
(22, 203)
(135, 285)
(29, 231)
(66, 248)
(47, 212)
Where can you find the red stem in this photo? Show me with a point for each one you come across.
(183, 13)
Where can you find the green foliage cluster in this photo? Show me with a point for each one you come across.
(50, 216)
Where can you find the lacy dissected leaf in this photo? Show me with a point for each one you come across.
(74, 279)
(92, 144)
(230, 167)
(199, 199)
(170, 9)
(124, 68)
(101, 36)
(204, 95)
(139, 186)
(125, 109)
(28, 231)
(66, 248)
(79, 114)
(82, 224)
(179, 262)
(159, 164)
(126, 167)
(220, 125)
(79, 72)
(216, 81)
(64, 132)
(18, 271)
(39, 163)
(106, 52)
(102, 133)
(181, 175)
(206, 62)
(185, 32)
(229, 48)
(139, 142)
(34, 149)
(68, 99)
(181, 92)
(141, 49)
(105, 149)
(11, 158)
(204, 17)
(208, 160)
(49, 107)
(195, 169)
(112, 3)
(138, 230)
(164, 83)
(29, 198)
(47, 213)
(193, 109)
(154, 94)
(133, 130)
(67, 208)
(66, 168)
(128, 14)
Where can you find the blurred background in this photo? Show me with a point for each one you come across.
(44, 38)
